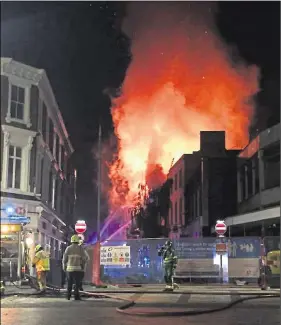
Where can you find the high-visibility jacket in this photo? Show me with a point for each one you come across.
(169, 257)
(74, 258)
(42, 261)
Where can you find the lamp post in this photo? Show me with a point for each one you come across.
(99, 185)
(97, 271)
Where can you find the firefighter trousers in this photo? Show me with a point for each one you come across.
(74, 278)
(42, 280)
(168, 273)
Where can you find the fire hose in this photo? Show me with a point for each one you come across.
(129, 303)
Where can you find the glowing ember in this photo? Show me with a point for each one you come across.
(180, 81)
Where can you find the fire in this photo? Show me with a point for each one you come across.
(180, 81)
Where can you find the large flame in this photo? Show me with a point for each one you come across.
(180, 81)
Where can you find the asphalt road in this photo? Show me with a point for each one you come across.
(46, 311)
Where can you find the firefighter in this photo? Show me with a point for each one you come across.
(170, 262)
(41, 262)
(74, 261)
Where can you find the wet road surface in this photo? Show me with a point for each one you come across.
(46, 311)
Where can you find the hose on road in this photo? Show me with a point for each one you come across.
(147, 313)
(124, 309)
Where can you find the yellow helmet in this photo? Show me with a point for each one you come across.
(38, 247)
(75, 239)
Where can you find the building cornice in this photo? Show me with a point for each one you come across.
(38, 77)
(14, 130)
(10, 67)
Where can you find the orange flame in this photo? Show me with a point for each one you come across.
(180, 81)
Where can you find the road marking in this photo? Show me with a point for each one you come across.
(184, 299)
(209, 299)
(159, 298)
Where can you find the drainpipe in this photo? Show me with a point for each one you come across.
(261, 185)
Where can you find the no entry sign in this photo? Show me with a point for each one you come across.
(80, 227)
(220, 228)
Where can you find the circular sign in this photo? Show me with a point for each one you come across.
(80, 227)
(20, 211)
(81, 236)
(220, 228)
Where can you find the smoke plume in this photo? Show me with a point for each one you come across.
(181, 80)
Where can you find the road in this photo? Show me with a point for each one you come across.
(46, 311)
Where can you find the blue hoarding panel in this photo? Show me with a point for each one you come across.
(195, 248)
(244, 247)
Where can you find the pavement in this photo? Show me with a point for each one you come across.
(156, 290)
(45, 310)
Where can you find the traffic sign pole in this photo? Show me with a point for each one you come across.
(221, 229)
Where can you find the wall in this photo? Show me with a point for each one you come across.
(222, 189)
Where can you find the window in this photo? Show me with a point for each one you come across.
(180, 213)
(180, 179)
(43, 235)
(171, 213)
(176, 182)
(50, 186)
(41, 176)
(257, 177)
(62, 158)
(176, 213)
(62, 198)
(250, 178)
(60, 155)
(57, 148)
(44, 122)
(14, 167)
(56, 195)
(17, 102)
(54, 184)
(65, 165)
(242, 183)
(51, 135)
(67, 204)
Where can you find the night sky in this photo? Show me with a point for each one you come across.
(84, 51)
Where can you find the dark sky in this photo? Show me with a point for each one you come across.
(83, 50)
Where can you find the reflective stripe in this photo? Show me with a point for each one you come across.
(74, 258)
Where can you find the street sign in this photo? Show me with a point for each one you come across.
(82, 237)
(15, 220)
(221, 248)
(220, 228)
(80, 227)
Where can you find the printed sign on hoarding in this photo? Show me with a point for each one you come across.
(243, 257)
(115, 255)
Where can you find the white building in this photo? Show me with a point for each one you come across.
(36, 174)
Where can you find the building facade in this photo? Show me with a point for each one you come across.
(178, 174)
(36, 173)
(203, 189)
(258, 186)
